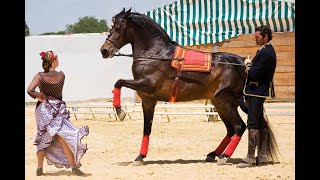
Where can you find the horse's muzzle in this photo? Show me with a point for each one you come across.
(108, 53)
(104, 53)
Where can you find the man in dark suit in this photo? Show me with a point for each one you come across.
(258, 87)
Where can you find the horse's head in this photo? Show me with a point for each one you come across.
(118, 36)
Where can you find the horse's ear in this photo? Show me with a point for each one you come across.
(123, 10)
(129, 10)
(127, 14)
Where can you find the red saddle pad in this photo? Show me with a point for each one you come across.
(191, 60)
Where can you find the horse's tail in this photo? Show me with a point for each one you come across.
(272, 146)
(272, 149)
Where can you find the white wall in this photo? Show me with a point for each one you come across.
(88, 75)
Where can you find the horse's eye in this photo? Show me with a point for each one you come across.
(123, 21)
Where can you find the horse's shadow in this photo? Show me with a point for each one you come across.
(63, 173)
(182, 161)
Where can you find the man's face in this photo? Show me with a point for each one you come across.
(260, 40)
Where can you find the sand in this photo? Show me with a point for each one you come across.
(177, 149)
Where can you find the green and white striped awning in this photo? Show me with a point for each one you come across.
(194, 22)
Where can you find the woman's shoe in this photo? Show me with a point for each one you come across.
(39, 171)
(77, 172)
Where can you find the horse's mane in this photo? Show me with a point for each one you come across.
(146, 22)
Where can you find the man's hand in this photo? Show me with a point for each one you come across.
(247, 63)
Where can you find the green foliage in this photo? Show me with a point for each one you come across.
(60, 32)
(54, 33)
(88, 24)
(26, 29)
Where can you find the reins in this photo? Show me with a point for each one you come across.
(169, 59)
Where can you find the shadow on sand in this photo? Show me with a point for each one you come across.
(63, 173)
(181, 161)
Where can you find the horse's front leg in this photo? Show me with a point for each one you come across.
(148, 106)
(132, 84)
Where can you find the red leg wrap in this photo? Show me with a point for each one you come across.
(232, 145)
(222, 146)
(116, 97)
(173, 99)
(144, 145)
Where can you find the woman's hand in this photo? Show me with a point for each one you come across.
(42, 97)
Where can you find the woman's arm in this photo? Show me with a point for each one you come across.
(31, 89)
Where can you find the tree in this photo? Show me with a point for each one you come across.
(54, 33)
(26, 29)
(88, 24)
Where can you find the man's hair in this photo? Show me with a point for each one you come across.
(265, 30)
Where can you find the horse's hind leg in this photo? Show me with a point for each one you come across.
(225, 141)
(148, 106)
(227, 105)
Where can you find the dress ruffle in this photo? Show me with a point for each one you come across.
(53, 118)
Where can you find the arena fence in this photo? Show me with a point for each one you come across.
(172, 109)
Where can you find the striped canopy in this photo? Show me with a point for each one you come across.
(194, 22)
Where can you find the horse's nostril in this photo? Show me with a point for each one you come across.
(104, 51)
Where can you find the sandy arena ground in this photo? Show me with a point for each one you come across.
(177, 149)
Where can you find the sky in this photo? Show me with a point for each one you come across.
(54, 15)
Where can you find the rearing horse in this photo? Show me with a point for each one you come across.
(155, 79)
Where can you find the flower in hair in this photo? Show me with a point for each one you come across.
(42, 54)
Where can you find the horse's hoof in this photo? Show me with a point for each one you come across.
(138, 163)
(210, 159)
(121, 114)
(139, 160)
(222, 160)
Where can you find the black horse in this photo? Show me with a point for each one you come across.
(155, 79)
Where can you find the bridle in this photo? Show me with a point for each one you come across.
(116, 45)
